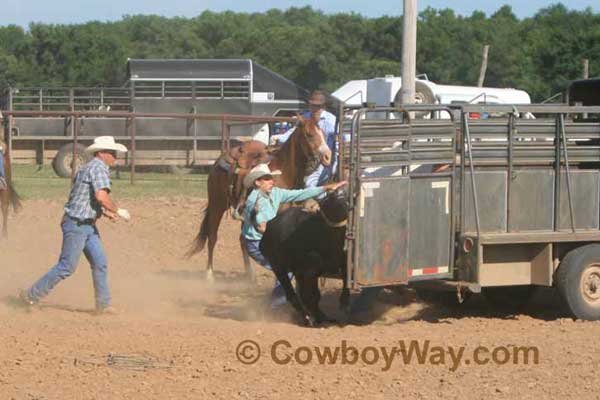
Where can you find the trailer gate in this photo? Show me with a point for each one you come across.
(399, 200)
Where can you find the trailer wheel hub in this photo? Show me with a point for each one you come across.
(79, 161)
(590, 284)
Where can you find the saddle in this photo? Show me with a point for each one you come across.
(238, 162)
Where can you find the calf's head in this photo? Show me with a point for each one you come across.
(334, 207)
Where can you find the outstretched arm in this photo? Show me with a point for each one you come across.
(308, 193)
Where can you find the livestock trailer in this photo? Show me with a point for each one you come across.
(162, 93)
(497, 205)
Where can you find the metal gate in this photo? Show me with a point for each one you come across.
(401, 179)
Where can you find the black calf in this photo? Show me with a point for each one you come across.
(310, 246)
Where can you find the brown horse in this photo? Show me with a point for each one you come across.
(8, 195)
(297, 158)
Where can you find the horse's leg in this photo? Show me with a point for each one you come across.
(217, 190)
(247, 266)
(214, 221)
(4, 202)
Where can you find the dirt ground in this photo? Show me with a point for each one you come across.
(177, 335)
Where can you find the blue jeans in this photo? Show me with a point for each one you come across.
(77, 238)
(1, 164)
(252, 247)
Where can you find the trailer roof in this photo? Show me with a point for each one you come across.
(263, 79)
(152, 69)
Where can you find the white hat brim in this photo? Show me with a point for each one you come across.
(253, 176)
(93, 148)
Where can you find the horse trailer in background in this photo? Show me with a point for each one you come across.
(497, 205)
(155, 88)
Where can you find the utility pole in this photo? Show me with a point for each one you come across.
(484, 62)
(586, 75)
(409, 52)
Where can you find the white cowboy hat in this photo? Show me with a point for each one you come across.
(104, 143)
(258, 172)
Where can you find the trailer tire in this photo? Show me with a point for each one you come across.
(508, 298)
(62, 161)
(578, 282)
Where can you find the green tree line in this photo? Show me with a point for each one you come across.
(538, 54)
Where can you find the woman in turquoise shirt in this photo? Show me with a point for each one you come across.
(261, 207)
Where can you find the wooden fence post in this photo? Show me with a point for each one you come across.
(132, 150)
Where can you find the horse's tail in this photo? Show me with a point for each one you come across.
(200, 240)
(15, 199)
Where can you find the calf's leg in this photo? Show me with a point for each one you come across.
(291, 295)
(311, 296)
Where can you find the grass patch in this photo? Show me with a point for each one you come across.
(34, 182)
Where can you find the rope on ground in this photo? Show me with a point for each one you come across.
(135, 362)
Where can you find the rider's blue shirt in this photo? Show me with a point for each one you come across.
(268, 204)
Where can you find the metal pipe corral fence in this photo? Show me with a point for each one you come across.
(227, 120)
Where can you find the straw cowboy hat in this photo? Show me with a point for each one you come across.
(260, 171)
(105, 143)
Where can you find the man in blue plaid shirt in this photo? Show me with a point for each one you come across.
(89, 200)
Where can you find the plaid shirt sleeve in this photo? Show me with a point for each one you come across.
(100, 178)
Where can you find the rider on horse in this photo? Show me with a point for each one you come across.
(327, 122)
